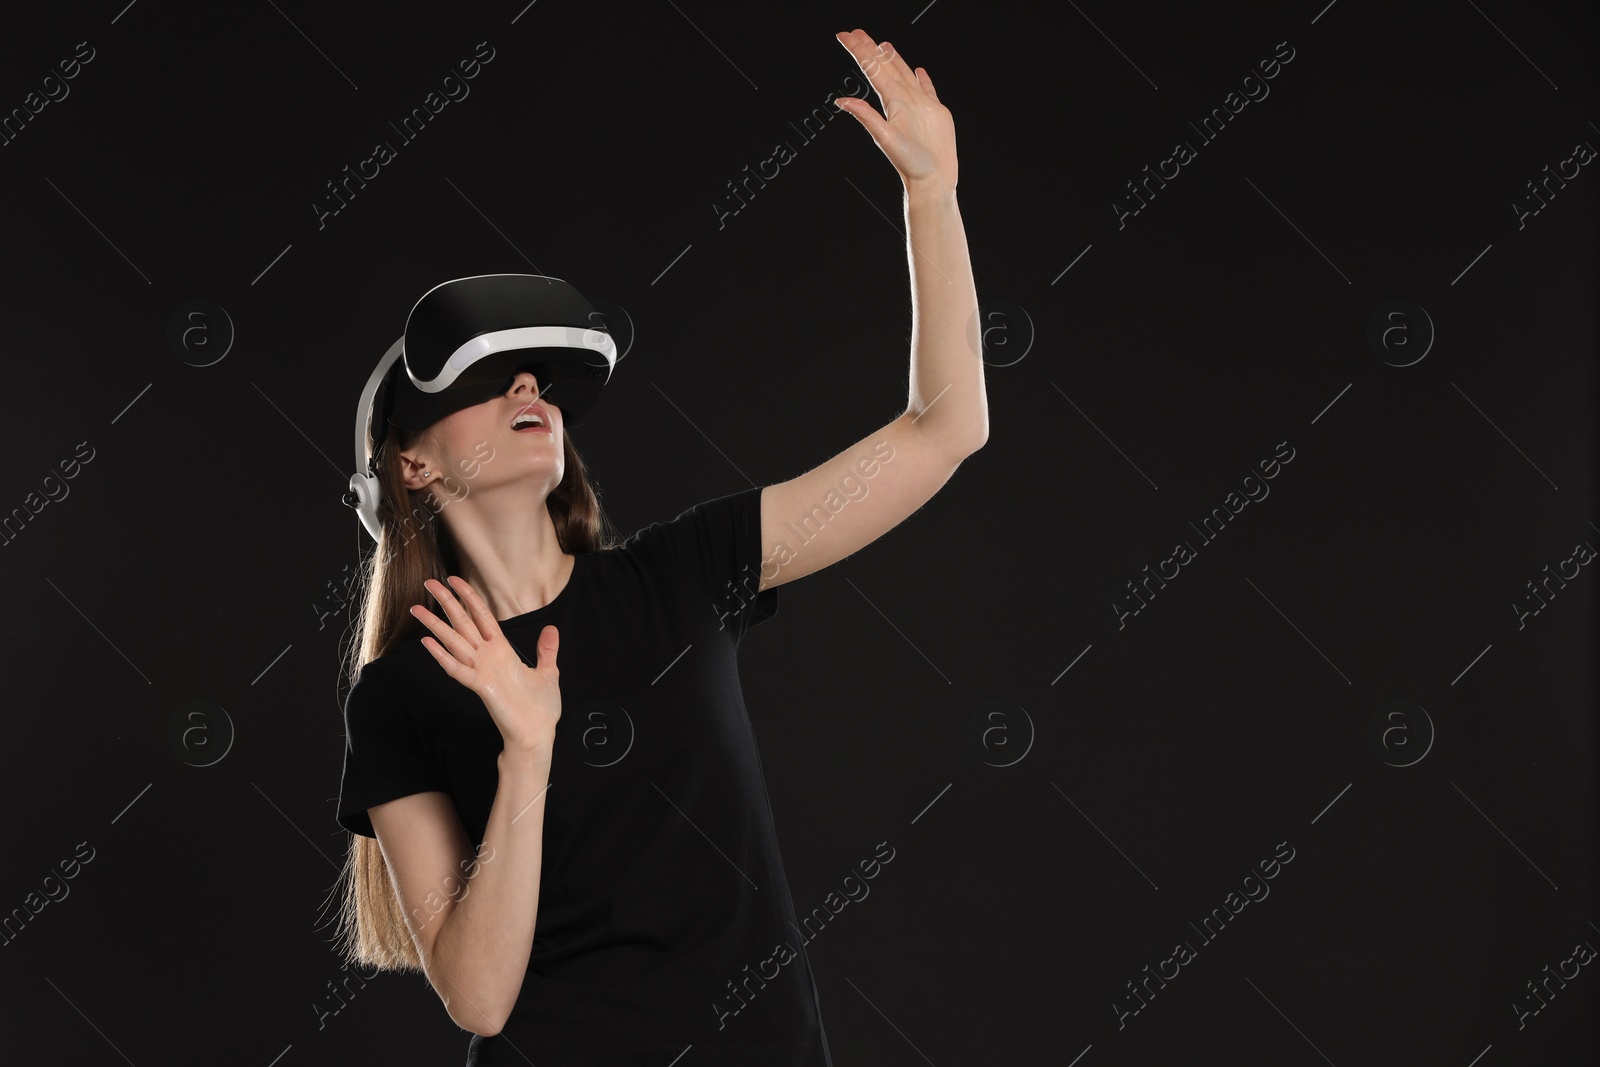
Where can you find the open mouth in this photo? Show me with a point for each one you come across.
(530, 420)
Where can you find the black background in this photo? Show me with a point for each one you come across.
(201, 554)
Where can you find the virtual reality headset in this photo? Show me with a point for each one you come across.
(464, 342)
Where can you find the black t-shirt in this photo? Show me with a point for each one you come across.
(665, 918)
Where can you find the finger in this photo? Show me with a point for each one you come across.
(877, 66)
(482, 616)
(460, 619)
(451, 665)
(898, 62)
(882, 132)
(927, 83)
(881, 68)
(549, 645)
(445, 635)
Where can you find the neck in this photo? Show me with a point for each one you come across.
(508, 549)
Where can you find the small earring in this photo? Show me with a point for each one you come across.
(426, 473)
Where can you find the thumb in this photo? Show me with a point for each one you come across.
(876, 125)
(549, 645)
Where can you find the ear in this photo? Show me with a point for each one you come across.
(412, 465)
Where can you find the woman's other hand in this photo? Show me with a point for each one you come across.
(525, 702)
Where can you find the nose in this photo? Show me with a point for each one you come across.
(526, 378)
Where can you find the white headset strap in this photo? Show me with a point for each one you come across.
(364, 410)
(507, 340)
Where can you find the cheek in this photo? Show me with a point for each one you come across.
(470, 435)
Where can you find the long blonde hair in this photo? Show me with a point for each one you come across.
(415, 545)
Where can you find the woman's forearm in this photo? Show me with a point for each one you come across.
(947, 390)
(481, 954)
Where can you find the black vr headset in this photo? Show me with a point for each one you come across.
(464, 342)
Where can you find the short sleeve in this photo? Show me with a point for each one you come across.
(718, 543)
(384, 756)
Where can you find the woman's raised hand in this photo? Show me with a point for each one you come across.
(915, 130)
(525, 702)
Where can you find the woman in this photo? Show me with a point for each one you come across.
(581, 858)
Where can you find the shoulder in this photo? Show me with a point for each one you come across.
(383, 683)
(713, 522)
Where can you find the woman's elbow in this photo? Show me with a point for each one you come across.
(480, 1024)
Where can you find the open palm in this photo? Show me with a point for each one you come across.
(916, 132)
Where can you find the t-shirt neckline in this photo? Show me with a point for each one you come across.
(529, 616)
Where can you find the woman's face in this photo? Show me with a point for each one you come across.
(477, 446)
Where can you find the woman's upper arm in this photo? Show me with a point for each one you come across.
(429, 857)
